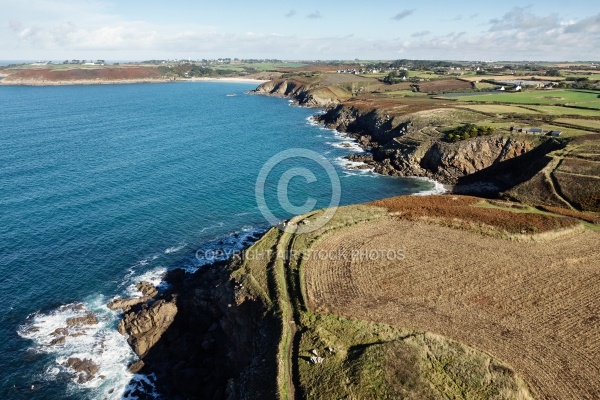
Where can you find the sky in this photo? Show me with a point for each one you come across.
(540, 30)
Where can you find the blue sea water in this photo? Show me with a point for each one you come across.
(101, 186)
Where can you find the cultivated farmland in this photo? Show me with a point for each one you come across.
(533, 304)
(571, 97)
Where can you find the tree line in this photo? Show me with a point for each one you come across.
(468, 131)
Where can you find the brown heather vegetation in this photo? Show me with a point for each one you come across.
(75, 74)
(461, 211)
(581, 191)
(584, 216)
(580, 166)
(445, 85)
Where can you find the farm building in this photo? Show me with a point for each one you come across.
(554, 133)
(535, 131)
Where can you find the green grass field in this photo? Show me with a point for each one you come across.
(499, 109)
(591, 104)
(484, 86)
(588, 123)
(551, 97)
(591, 76)
(404, 93)
(559, 110)
(272, 66)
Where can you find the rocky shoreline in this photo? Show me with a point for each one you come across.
(201, 338)
(409, 146)
(205, 336)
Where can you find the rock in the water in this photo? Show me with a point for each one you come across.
(58, 341)
(136, 367)
(60, 332)
(147, 289)
(88, 319)
(85, 369)
(146, 326)
(126, 304)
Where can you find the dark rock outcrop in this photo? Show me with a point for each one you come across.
(305, 94)
(85, 370)
(88, 319)
(401, 147)
(205, 338)
(146, 326)
(147, 289)
(126, 304)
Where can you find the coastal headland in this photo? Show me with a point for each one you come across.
(61, 75)
(413, 297)
(486, 292)
(448, 296)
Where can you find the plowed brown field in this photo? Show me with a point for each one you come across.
(534, 305)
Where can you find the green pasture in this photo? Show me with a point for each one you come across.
(551, 97)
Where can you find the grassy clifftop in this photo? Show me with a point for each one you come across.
(405, 128)
(344, 332)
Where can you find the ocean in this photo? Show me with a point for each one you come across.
(102, 186)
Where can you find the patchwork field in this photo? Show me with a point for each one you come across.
(560, 110)
(571, 97)
(532, 304)
(499, 109)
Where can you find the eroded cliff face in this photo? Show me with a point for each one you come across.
(447, 162)
(304, 94)
(203, 338)
(406, 147)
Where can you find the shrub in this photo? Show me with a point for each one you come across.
(468, 131)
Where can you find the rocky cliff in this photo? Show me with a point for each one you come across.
(409, 146)
(305, 94)
(202, 338)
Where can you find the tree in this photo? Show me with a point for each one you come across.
(390, 78)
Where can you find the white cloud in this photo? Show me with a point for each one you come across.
(90, 30)
(587, 25)
(520, 18)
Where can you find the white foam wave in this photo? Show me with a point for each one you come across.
(243, 213)
(223, 247)
(175, 249)
(438, 188)
(155, 276)
(360, 172)
(312, 121)
(353, 166)
(347, 145)
(218, 225)
(52, 333)
(141, 384)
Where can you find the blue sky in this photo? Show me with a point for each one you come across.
(459, 30)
